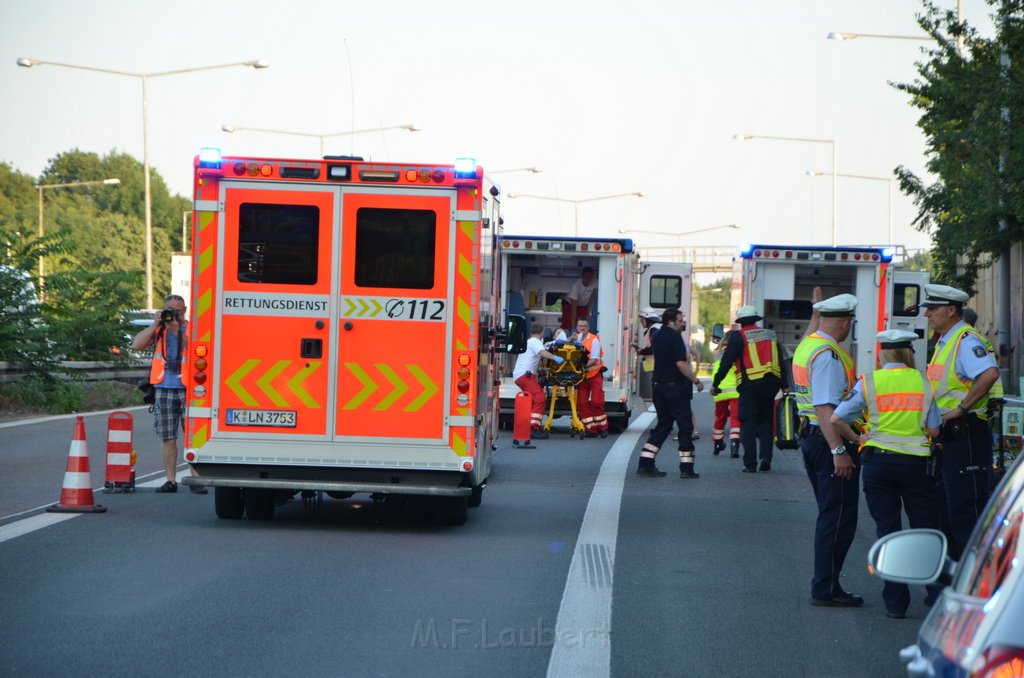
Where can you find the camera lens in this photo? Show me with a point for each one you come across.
(167, 315)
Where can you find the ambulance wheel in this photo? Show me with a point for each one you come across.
(453, 510)
(228, 502)
(259, 503)
(476, 497)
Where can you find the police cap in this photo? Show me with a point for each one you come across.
(943, 295)
(651, 313)
(839, 306)
(896, 338)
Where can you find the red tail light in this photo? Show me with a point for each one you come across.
(999, 662)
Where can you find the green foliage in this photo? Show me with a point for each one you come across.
(713, 308)
(84, 311)
(971, 117)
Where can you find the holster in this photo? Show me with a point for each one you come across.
(954, 429)
(933, 467)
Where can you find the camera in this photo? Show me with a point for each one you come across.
(168, 315)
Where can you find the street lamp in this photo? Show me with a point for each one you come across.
(70, 184)
(144, 78)
(812, 173)
(231, 129)
(836, 35)
(678, 235)
(835, 162)
(531, 170)
(576, 203)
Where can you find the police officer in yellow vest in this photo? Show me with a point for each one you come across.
(961, 372)
(823, 376)
(901, 419)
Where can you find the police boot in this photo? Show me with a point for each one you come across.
(719, 446)
(734, 449)
(686, 471)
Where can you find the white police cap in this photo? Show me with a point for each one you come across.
(837, 306)
(943, 295)
(650, 312)
(896, 338)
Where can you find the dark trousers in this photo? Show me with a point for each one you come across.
(894, 483)
(672, 404)
(757, 408)
(837, 514)
(966, 476)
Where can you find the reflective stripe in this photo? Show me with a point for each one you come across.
(119, 436)
(119, 459)
(898, 400)
(77, 481)
(762, 354)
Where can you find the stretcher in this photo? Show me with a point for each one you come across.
(562, 381)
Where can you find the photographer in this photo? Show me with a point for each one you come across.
(167, 337)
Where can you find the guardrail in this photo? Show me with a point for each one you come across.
(75, 370)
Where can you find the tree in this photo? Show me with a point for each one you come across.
(714, 308)
(971, 118)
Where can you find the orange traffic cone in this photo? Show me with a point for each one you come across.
(76, 493)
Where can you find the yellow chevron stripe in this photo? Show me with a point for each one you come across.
(369, 386)
(205, 219)
(468, 229)
(463, 310)
(429, 388)
(205, 259)
(458, 445)
(201, 435)
(295, 384)
(459, 346)
(399, 388)
(269, 376)
(465, 269)
(233, 382)
(204, 302)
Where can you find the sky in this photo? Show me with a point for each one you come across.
(607, 97)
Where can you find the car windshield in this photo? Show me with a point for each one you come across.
(990, 557)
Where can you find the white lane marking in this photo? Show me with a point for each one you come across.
(58, 417)
(37, 522)
(582, 641)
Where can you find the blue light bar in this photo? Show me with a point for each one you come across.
(465, 168)
(888, 253)
(745, 250)
(209, 157)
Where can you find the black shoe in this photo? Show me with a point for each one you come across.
(650, 472)
(689, 475)
(603, 433)
(719, 446)
(590, 434)
(845, 600)
(896, 615)
(169, 486)
(765, 467)
(197, 489)
(734, 450)
(749, 469)
(540, 434)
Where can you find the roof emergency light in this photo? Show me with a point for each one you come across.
(465, 168)
(209, 157)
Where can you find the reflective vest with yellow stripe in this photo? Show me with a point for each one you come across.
(898, 400)
(588, 344)
(728, 384)
(761, 356)
(997, 386)
(806, 351)
(950, 389)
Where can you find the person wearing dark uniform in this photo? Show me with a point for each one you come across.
(961, 372)
(822, 377)
(673, 393)
(901, 418)
(757, 355)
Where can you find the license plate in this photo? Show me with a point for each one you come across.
(281, 418)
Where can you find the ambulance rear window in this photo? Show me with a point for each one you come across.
(666, 291)
(395, 248)
(278, 243)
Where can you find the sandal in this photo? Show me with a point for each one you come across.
(169, 486)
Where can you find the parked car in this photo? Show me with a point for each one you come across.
(976, 627)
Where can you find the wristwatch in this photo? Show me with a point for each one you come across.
(836, 451)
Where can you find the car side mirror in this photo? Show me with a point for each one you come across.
(909, 556)
(513, 338)
(717, 333)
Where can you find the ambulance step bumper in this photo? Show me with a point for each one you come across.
(329, 486)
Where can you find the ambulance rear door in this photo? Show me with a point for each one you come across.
(394, 323)
(273, 310)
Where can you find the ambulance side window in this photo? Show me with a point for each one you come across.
(906, 297)
(666, 291)
(278, 243)
(395, 248)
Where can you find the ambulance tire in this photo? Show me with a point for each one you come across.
(259, 503)
(453, 510)
(476, 497)
(228, 502)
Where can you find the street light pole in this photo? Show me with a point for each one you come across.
(69, 184)
(678, 235)
(835, 166)
(531, 170)
(144, 78)
(812, 173)
(576, 203)
(231, 129)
